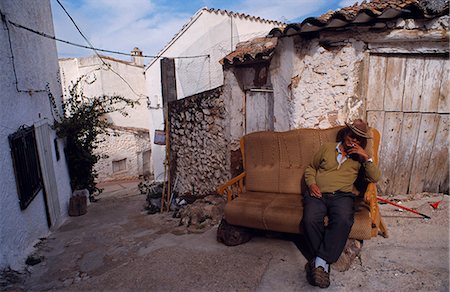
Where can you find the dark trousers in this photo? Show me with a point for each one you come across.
(328, 242)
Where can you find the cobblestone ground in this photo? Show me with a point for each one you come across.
(117, 246)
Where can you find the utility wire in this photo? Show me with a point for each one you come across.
(91, 48)
(108, 66)
(16, 81)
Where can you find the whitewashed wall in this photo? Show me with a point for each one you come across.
(35, 61)
(122, 144)
(209, 33)
(102, 81)
(323, 88)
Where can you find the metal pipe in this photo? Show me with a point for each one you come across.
(401, 207)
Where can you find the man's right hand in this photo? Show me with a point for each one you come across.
(315, 191)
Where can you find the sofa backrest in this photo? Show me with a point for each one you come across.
(275, 161)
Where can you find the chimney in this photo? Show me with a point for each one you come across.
(136, 57)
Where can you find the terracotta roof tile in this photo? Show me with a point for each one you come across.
(255, 50)
(367, 13)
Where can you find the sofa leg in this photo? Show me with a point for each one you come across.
(351, 250)
(232, 235)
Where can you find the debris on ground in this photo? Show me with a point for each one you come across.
(11, 280)
(202, 213)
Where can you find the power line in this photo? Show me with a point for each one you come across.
(16, 81)
(98, 55)
(92, 48)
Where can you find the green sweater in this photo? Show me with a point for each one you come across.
(324, 171)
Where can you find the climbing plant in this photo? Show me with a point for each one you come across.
(81, 124)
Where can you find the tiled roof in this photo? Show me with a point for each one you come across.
(255, 50)
(243, 15)
(367, 13)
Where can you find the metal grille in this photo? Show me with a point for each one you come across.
(26, 165)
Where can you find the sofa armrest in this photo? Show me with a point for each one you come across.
(378, 226)
(233, 188)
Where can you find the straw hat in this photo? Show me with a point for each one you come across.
(359, 128)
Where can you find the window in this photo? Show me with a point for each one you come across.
(119, 165)
(26, 165)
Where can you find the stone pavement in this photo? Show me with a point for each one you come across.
(116, 246)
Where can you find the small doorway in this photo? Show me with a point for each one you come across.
(259, 110)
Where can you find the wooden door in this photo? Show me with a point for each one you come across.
(407, 101)
(258, 111)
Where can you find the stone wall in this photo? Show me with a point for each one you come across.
(324, 83)
(123, 144)
(198, 145)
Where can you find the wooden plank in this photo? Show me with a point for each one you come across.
(364, 79)
(375, 89)
(444, 92)
(406, 151)
(389, 149)
(375, 119)
(259, 111)
(425, 140)
(436, 178)
(395, 81)
(432, 77)
(413, 83)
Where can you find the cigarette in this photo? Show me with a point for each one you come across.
(353, 145)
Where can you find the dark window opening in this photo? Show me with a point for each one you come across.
(119, 165)
(26, 165)
(55, 143)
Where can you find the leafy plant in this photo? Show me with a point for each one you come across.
(82, 122)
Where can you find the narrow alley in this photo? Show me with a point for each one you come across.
(117, 246)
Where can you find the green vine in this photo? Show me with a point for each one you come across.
(81, 124)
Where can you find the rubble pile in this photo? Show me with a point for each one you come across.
(202, 213)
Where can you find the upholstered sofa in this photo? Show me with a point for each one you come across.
(268, 194)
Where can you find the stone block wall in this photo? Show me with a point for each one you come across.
(124, 144)
(198, 144)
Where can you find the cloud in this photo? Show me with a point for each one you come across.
(116, 25)
(120, 25)
(345, 3)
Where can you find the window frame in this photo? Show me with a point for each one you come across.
(26, 165)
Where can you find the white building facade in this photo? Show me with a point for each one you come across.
(198, 47)
(34, 181)
(128, 145)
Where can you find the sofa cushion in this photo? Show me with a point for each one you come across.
(283, 213)
(257, 210)
(262, 162)
(362, 226)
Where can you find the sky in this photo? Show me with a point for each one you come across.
(121, 25)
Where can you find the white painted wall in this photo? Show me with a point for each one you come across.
(208, 33)
(103, 81)
(326, 92)
(100, 80)
(35, 61)
(123, 144)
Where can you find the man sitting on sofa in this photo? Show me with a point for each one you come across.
(330, 178)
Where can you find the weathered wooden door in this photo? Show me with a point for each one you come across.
(44, 147)
(407, 99)
(258, 110)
